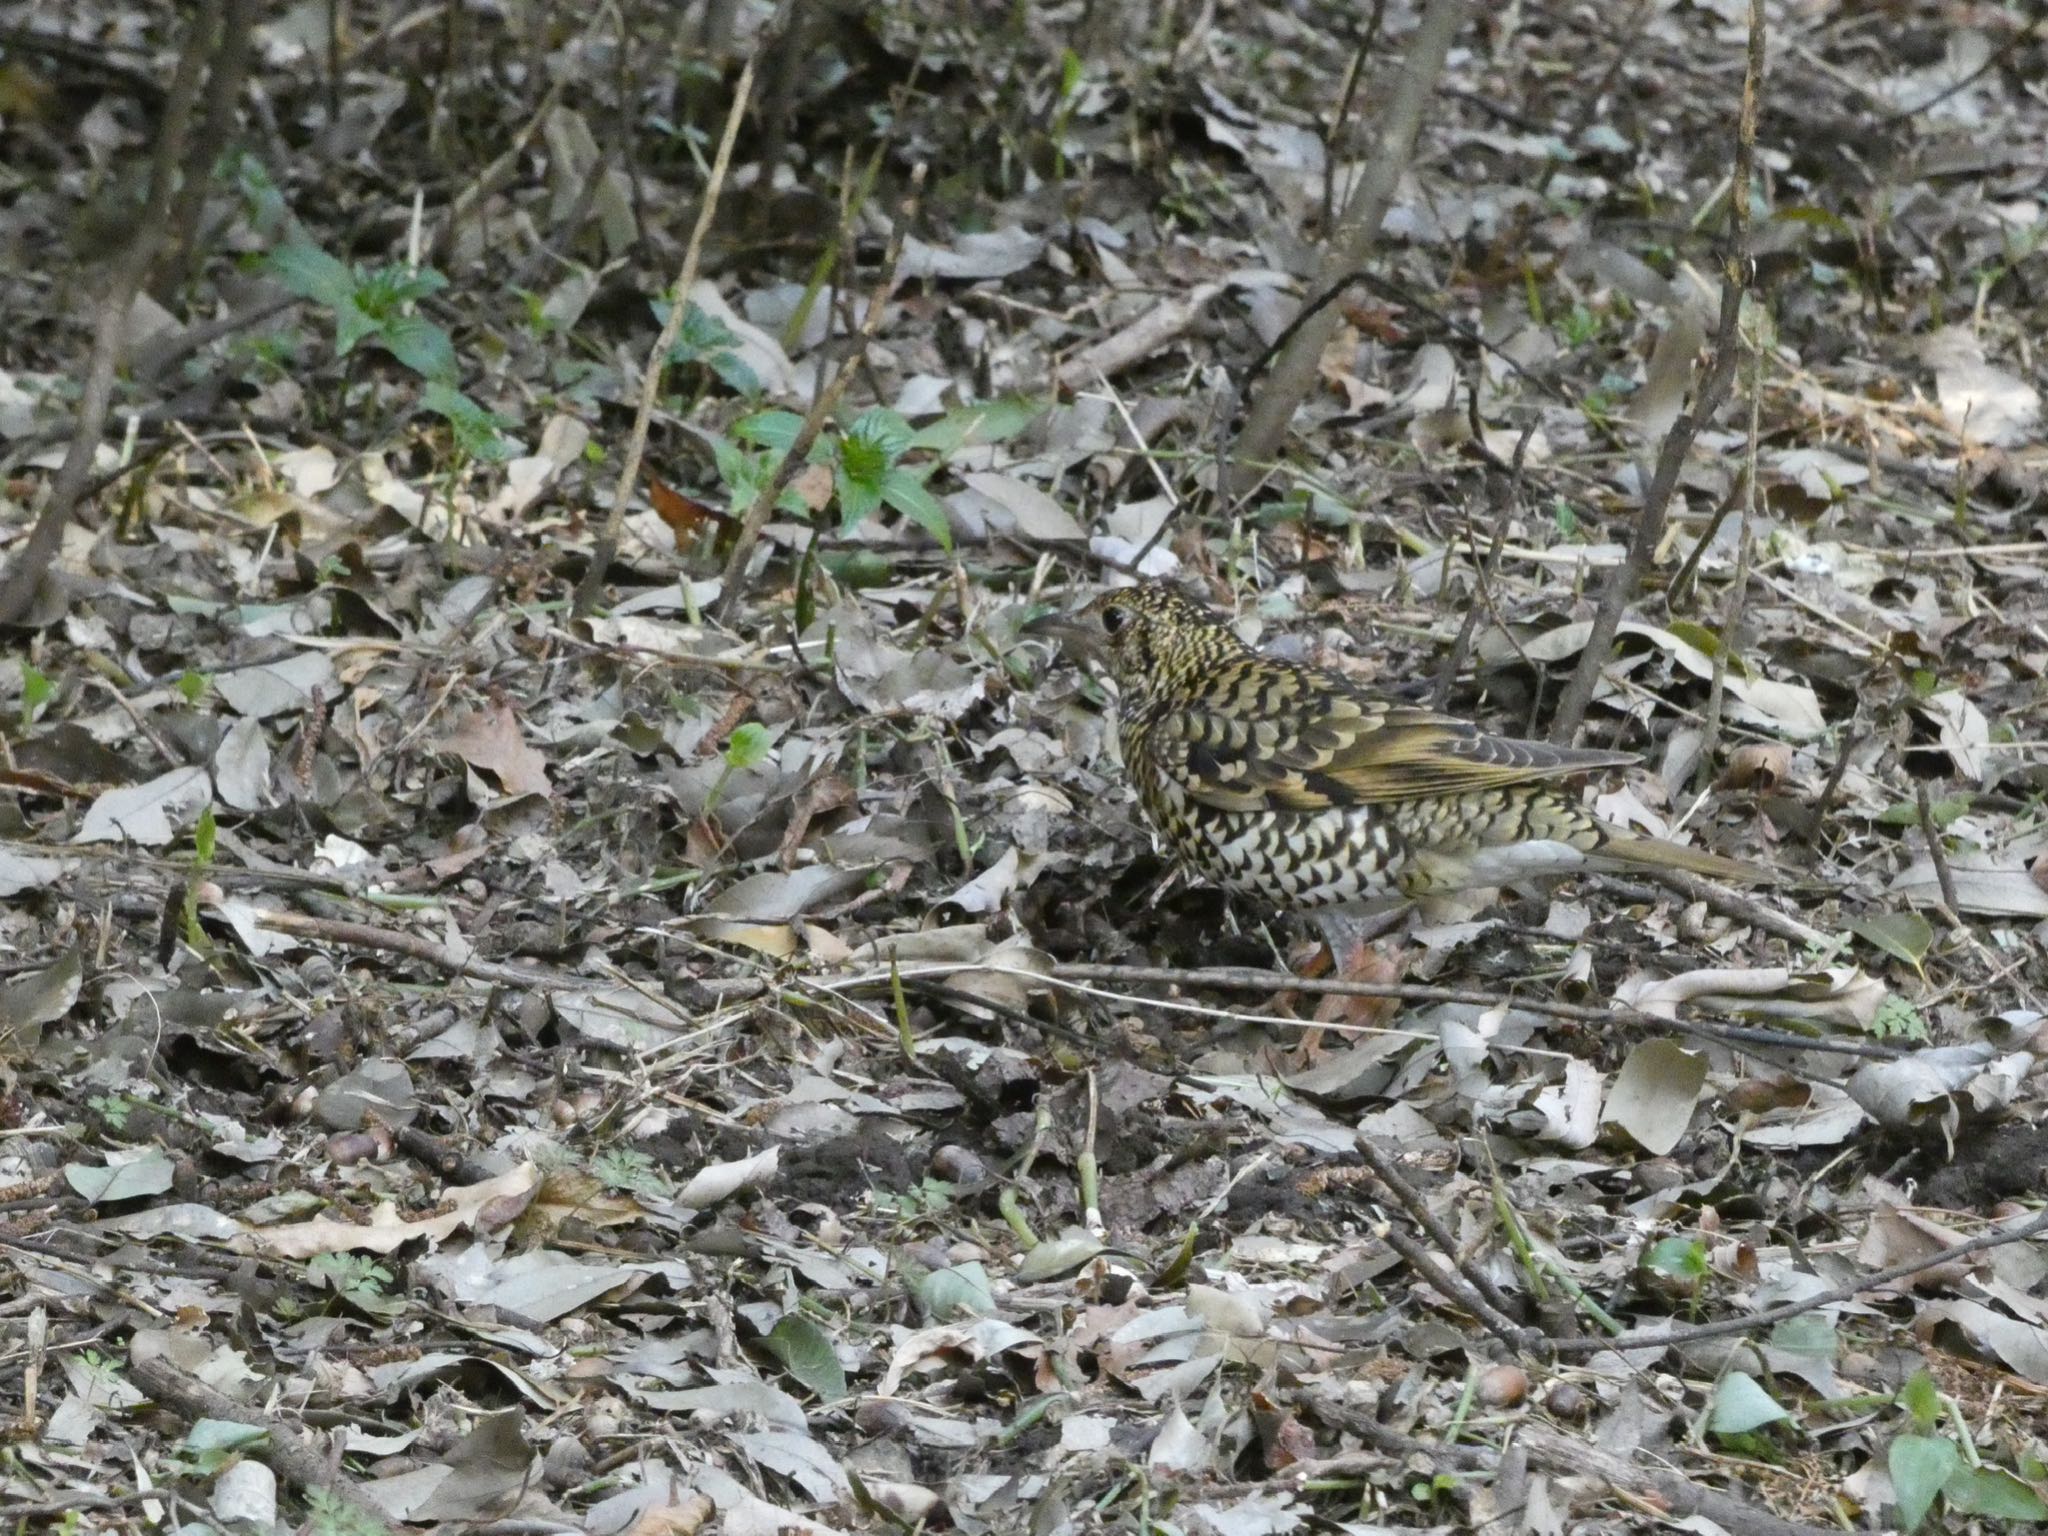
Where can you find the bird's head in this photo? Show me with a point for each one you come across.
(1154, 639)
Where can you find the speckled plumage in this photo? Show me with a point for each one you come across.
(1293, 783)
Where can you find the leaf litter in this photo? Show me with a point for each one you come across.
(631, 1070)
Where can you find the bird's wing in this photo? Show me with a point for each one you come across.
(1274, 737)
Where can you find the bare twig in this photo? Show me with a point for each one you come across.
(1825, 801)
(601, 557)
(223, 90)
(1942, 873)
(24, 578)
(1410, 1198)
(292, 1453)
(1558, 1453)
(1728, 902)
(1996, 57)
(827, 401)
(1736, 276)
(1353, 239)
(1485, 570)
(1769, 1317)
(491, 178)
(1354, 72)
(1731, 626)
(1137, 978)
(1447, 1277)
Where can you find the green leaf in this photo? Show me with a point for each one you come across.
(1904, 936)
(1742, 1405)
(857, 568)
(421, 345)
(478, 432)
(883, 430)
(1898, 1019)
(385, 293)
(904, 490)
(863, 462)
(733, 372)
(1812, 1334)
(1920, 1398)
(1682, 1258)
(203, 836)
(1992, 1491)
(741, 472)
(191, 686)
(769, 429)
(962, 1291)
(1906, 813)
(211, 1443)
(352, 323)
(36, 691)
(857, 499)
(807, 1354)
(1919, 1465)
(699, 334)
(1704, 640)
(993, 421)
(748, 747)
(311, 273)
(331, 1517)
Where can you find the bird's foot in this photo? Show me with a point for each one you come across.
(1352, 951)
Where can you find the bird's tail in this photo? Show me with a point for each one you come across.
(1620, 850)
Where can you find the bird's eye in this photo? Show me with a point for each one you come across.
(1113, 620)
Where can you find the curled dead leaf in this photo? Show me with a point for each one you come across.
(1760, 766)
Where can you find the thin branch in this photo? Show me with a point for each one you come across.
(607, 549)
(1557, 1453)
(1942, 874)
(1354, 237)
(1485, 570)
(216, 129)
(294, 1455)
(1626, 578)
(1411, 1201)
(1138, 978)
(1645, 1338)
(1731, 626)
(24, 578)
(1447, 1277)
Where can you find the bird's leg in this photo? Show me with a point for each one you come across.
(1351, 934)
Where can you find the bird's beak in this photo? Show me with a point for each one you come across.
(1077, 634)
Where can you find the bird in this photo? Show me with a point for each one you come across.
(1295, 784)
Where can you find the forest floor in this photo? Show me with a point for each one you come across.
(731, 1057)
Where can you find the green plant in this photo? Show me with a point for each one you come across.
(1578, 326)
(328, 1515)
(378, 305)
(1063, 112)
(1927, 1467)
(877, 460)
(204, 836)
(634, 1172)
(704, 341)
(1675, 1268)
(1743, 1416)
(748, 747)
(927, 1197)
(36, 691)
(211, 1444)
(358, 1280)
